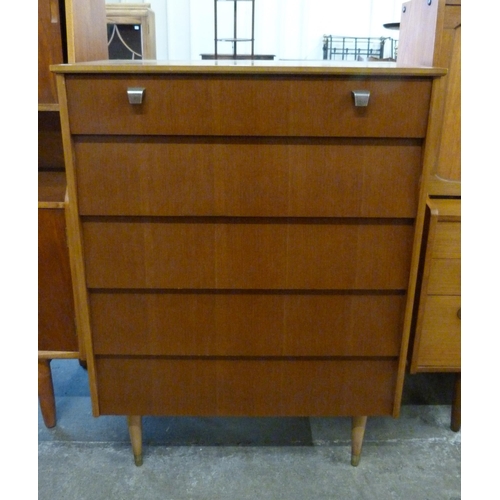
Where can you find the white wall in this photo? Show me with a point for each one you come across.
(289, 29)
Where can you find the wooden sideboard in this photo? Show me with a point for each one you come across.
(430, 34)
(436, 345)
(243, 235)
(57, 336)
(68, 31)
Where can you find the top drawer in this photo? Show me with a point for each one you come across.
(236, 105)
(447, 243)
(445, 228)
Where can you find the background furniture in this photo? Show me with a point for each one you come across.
(131, 31)
(57, 336)
(430, 34)
(436, 344)
(228, 32)
(67, 32)
(350, 48)
(257, 242)
(236, 38)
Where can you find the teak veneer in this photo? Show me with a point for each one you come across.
(430, 34)
(68, 31)
(243, 238)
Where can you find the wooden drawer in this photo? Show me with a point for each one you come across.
(247, 177)
(445, 277)
(242, 105)
(247, 254)
(246, 324)
(439, 345)
(245, 387)
(447, 242)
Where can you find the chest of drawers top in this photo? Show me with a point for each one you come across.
(243, 67)
(248, 100)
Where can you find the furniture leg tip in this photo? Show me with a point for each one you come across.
(355, 460)
(138, 460)
(49, 420)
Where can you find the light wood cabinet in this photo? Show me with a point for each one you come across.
(243, 237)
(431, 35)
(131, 31)
(57, 336)
(437, 335)
(68, 31)
(436, 343)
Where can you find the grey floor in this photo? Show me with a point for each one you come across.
(414, 457)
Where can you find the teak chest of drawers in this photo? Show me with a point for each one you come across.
(243, 236)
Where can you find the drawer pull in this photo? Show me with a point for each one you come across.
(135, 95)
(459, 313)
(361, 97)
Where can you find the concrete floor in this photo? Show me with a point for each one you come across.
(414, 457)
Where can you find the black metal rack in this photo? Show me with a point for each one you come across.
(346, 48)
(235, 39)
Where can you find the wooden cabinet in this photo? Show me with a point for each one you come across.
(131, 31)
(244, 236)
(50, 48)
(431, 35)
(68, 31)
(437, 337)
(57, 337)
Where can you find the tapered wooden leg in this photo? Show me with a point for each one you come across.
(357, 434)
(46, 393)
(456, 407)
(135, 431)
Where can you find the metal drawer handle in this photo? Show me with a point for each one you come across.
(135, 95)
(361, 97)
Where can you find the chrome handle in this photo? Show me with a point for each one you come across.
(361, 97)
(135, 95)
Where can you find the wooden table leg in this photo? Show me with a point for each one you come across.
(456, 407)
(135, 431)
(46, 393)
(358, 426)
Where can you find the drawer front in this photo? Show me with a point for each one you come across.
(247, 177)
(269, 254)
(246, 324)
(248, 106)
(441, 333)
(245, 387)
(447, 241)
(445, 277)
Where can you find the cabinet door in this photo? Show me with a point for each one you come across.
(448, 165)
(56, 317)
